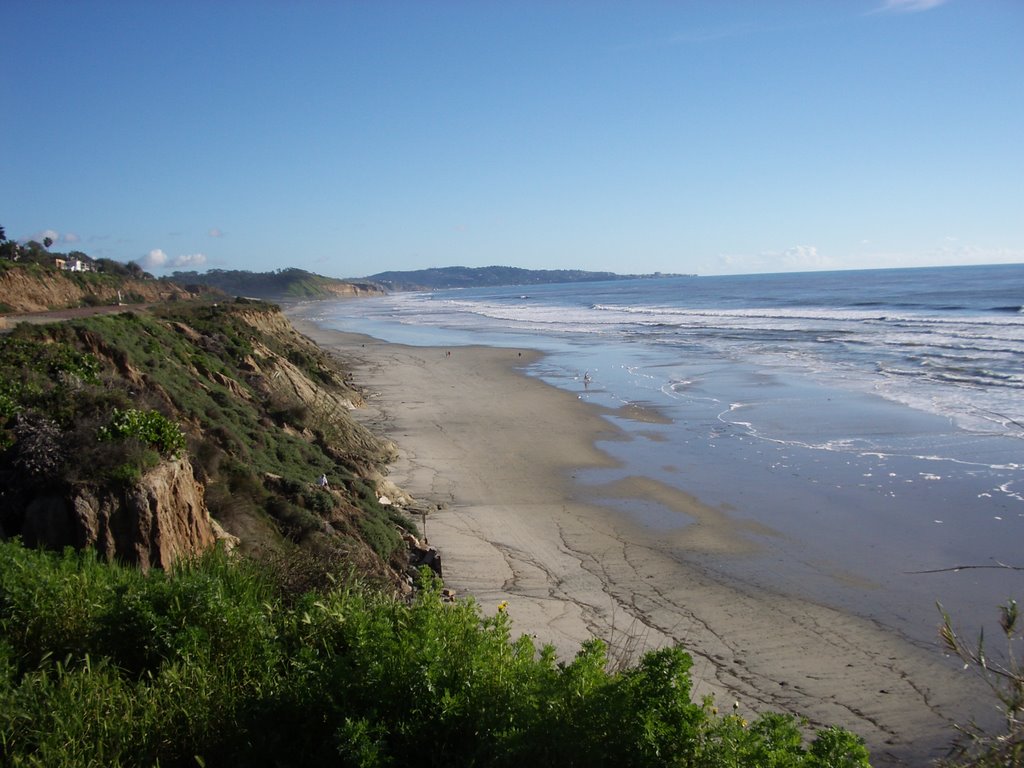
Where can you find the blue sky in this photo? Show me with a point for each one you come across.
(348, 138)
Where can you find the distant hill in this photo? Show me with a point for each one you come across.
(283, 284)
(298, 284)
(476, 277)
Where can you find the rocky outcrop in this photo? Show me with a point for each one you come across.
(152, 524)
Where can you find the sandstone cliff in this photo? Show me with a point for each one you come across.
(39, 289)
(152, 523)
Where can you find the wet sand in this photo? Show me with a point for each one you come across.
(496, 450)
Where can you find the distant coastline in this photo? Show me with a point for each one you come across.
(440, 278)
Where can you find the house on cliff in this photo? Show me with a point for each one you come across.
(75, 262)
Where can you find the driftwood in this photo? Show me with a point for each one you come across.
(955, 568)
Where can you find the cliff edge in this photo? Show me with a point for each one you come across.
(138, 434)
(34, 288)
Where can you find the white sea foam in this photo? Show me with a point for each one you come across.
(959, 365)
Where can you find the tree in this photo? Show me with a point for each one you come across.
(111, 267)
(8, 248)
(33, 252)
(47, 242)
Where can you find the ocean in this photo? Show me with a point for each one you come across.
(870, 423)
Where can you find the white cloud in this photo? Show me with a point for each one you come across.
(158, 260)
(57, 237)
(908, 6)
(215, 232)
(191, 260)
(46, 233)
(155, 259)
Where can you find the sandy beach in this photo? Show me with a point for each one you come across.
(495, 451)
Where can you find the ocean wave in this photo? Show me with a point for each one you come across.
(821, 314)
(955, 350)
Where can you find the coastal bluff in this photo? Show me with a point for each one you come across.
(37, 289)
(151, 435)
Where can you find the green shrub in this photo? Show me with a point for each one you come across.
(317, 501)
(380, 534)
(296, 523)
(92, 300)
(31, 357)
(136, 460)
(149, 427)
(102, 665)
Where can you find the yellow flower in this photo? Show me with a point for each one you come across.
(503, 606)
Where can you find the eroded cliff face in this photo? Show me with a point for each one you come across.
(38, 291)
(277, 375)
(151, 524)
(264, 411)
(351, 290)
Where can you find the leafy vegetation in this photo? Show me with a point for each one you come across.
(209, 665)
(150, 427)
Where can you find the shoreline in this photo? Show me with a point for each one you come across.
(496, 449)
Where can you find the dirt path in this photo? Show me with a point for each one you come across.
(7, 322)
